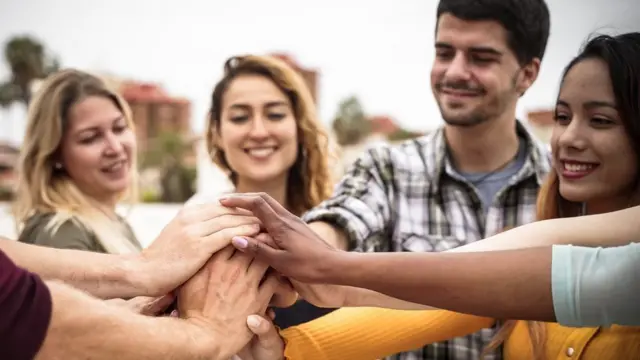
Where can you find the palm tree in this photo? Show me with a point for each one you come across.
(28, 61)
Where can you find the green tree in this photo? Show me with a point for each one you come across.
(28, 61)
(350, 123)
(166, 153)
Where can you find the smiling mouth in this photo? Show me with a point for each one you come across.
(261, 152)
(577, 170)
(115, 167)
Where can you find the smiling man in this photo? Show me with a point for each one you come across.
(472, 178)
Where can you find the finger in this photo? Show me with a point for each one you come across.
(285, 295)
(271, 314)
(258, 206)
(267, 239)
(257, 249)
(203, 212)
(222, 238)
(267, 289)
(226, 221)
(265, 331)
(158, 305)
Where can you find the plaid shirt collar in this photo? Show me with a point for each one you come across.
(436, 153)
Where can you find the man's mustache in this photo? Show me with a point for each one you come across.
(459, 86)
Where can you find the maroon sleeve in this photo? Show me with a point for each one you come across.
(25, 311)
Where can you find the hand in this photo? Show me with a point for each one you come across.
(225, 292)
(321, 295)
(144, 305)
(297, 251)
(186, 244)
(266, 344)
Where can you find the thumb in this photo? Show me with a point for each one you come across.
(266, 332)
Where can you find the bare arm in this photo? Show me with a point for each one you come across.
(333, 296)
(103, 275)
(180, 250)
(609, 229)
(478, 283)
(82, 326)
(331, 234)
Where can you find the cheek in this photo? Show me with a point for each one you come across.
(79, 161)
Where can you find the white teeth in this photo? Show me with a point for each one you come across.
(115, 167)
(578, 167)
(261, 152)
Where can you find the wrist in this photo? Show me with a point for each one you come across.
(339, 266)
(136, 276)
(208, 337)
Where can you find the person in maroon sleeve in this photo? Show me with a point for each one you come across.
(25, 303)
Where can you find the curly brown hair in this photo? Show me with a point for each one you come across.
(310, 178)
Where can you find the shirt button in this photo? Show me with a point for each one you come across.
(570, 351)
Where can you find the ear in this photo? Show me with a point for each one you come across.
(528, 75)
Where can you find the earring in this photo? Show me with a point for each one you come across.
(57, 166)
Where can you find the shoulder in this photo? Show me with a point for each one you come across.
(53, 230)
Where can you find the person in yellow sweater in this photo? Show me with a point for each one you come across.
(596, 150)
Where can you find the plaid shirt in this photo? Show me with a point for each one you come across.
(409, 198)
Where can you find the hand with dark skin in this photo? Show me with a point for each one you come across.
(296, 252)
(479, 283)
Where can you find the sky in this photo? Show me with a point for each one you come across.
(380, 51)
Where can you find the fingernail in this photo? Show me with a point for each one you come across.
(240, 242)
(253, 321)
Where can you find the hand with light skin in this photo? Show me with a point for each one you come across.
(266, 344)
(227, 290)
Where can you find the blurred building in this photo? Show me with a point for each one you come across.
(155, 113)
(541, 124)
(310, 76)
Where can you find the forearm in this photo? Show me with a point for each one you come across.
(512, 284)
(102, 275)
(330, 234)
(85, 327)
(610, 229)
(360, 297)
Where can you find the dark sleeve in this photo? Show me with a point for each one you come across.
(69, 235)
(361, 202)
(25, 311)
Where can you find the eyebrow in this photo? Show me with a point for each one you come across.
(475, 49)
(269, 104)
(590, 105)
(94, 128)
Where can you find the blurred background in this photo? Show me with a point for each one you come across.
(367, 64)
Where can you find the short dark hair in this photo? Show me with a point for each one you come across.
(621, 54)
(526, 21)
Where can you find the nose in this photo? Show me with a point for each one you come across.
(259, 128)
(458, 69)
(113, 144)
(571, 136)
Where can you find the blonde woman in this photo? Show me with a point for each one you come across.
(77, 163)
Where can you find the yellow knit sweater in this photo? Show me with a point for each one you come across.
(372, 333)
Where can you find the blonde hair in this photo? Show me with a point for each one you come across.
(44, 189)
(310, 178)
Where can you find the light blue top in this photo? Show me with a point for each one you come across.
(596, 286)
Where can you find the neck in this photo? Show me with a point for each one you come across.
(609, 205)
(484, 147)
(276, 188)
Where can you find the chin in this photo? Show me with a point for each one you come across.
(576, 194)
